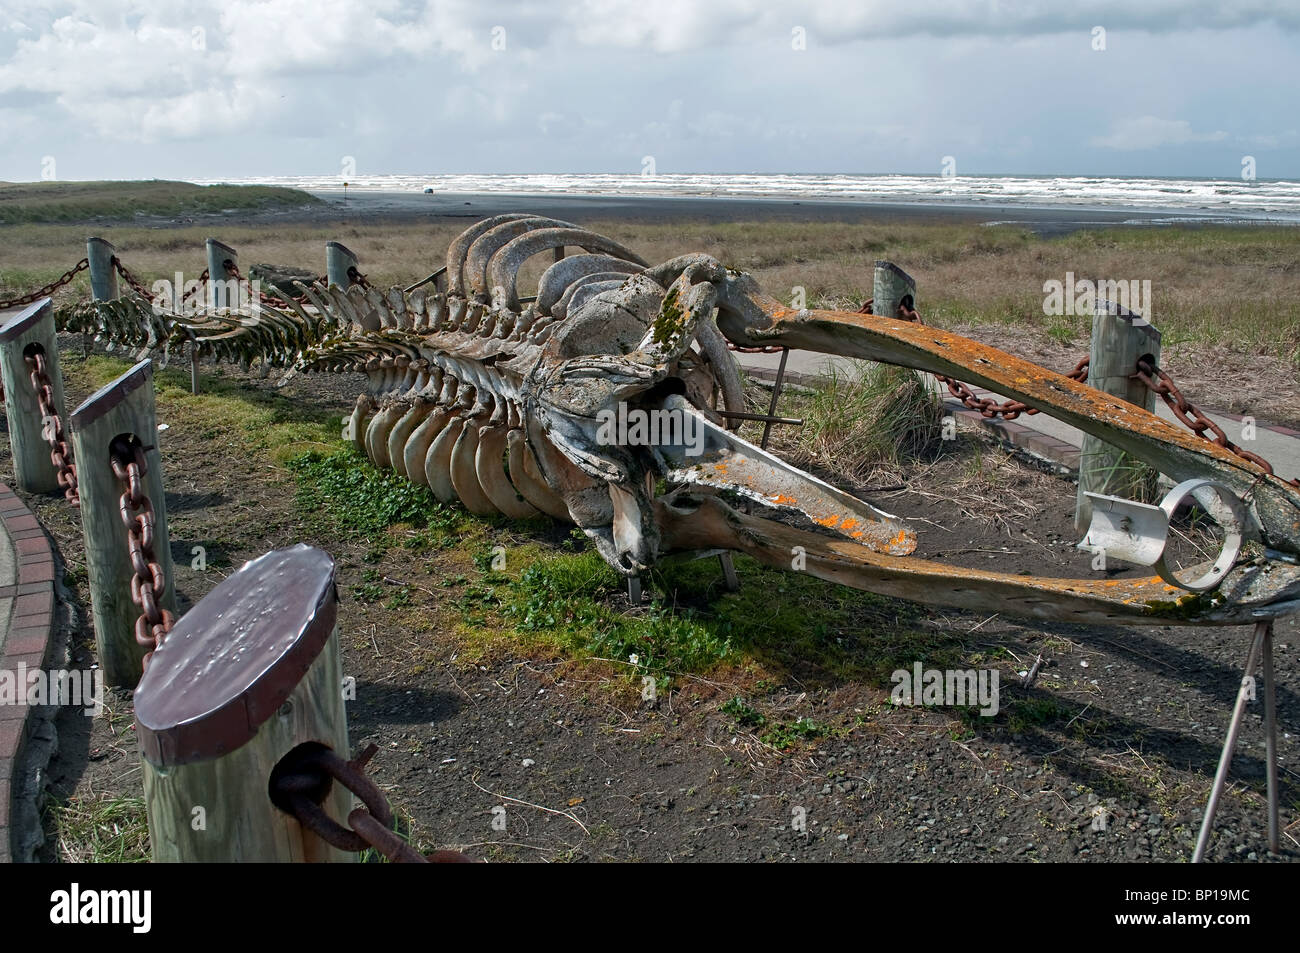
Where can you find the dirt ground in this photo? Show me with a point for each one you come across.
(514, 753)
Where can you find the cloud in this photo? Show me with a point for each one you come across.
(1274, 140)
(680, 25)
(708, 85)
(138, 70)
(1149, 132)
(201, 67)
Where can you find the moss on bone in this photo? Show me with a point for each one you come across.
(671, 321)
(1189, 606)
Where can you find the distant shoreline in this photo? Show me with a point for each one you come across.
(164, 204)
(371, 204)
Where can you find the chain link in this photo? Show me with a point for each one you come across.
(52, 426)
(138, 287)
(47, 290)
(357, 278)
(198, 287)
(987, 406)
(1161, 384)
(1008, 409)
(148, 581)
(306, 776)
(1148, 373)
(132, 281)
(232, 269)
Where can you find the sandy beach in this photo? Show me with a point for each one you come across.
(1046, 221)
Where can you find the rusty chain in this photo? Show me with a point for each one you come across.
(138, 287)
(1007, 409)
(198, 287)
(357, 278)
(986, 406)
(47, 290)
(231, 268)
(132, 281)
(1156, 380)
(148, 582)
(304, 779)
(762, 349)
(1161, 384)
(52, 427)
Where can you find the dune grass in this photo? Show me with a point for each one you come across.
(856, 423)
(1234, 288)
(53, 202)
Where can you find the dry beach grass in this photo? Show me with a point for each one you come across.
(1221, 296)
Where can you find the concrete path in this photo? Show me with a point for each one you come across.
(1279, 445)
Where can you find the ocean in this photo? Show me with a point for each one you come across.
(1218, 199)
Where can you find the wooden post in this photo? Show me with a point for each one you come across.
(103, 276)
(103, 279)
(338, 259)
(219, 275)
(123, 407)
(24, 331)
(218, 293)
(250, 674)
(1119, 338)
(892, 287)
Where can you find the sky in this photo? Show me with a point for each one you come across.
(208, 89)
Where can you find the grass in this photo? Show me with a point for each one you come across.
(104, 829)
(1220, 287)
(858, 422)
(788, 735)
(1130, 478)
(557, 596)
(363, 497)
(232, 415)
(789, 625)
(57, 202)
(781, 735)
